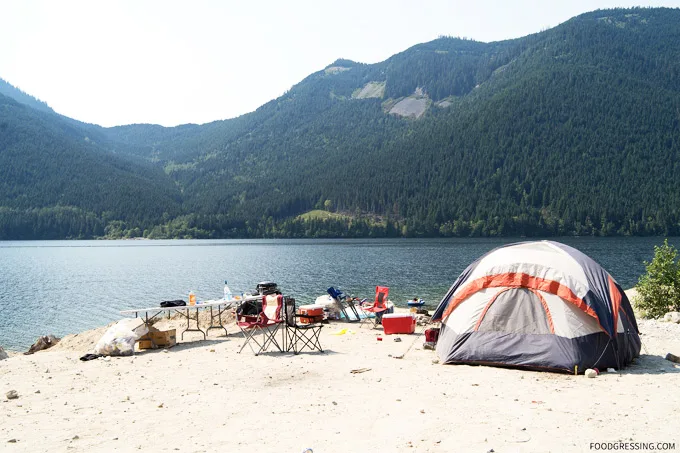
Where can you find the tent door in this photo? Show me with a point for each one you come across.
(516, 310)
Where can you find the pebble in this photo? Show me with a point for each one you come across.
(12, 441)
(12, 395)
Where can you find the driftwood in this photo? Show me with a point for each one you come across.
(672, 358)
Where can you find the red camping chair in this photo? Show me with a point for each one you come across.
(373, 312)
(267, 321)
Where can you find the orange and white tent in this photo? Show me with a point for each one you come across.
(539, 305)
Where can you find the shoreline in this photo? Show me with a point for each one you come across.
(361, 394)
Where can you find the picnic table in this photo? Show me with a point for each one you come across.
(217, 309)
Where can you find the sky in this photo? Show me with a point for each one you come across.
(173, 62)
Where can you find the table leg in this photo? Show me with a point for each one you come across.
(220, 311)
(187, 313)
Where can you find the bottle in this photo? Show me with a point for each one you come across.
(192, 298)
(227, 292)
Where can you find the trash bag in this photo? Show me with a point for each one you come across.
(249, 308)
(120, 338)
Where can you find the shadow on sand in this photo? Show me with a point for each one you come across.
(651, 364)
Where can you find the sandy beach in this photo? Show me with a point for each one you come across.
(202, 396)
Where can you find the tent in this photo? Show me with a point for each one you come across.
(538, 305)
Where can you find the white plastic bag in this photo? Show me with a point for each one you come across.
(120, 338)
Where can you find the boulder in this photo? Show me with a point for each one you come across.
(672, 316)
(42, 343)
(3, 354)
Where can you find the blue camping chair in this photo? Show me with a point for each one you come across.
(345, 303)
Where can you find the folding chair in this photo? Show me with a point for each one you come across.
(266, 321)
(300, 336)
(373, 312)
(344, 303)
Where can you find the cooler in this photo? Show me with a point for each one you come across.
(432, 335)
(311, 310)
(398, 323)
(311, 320)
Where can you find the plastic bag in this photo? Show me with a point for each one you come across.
(120, 338)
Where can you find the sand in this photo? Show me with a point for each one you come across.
(202, 396)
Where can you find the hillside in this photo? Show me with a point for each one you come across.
(56, 182)
(574, 130)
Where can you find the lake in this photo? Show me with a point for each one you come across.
(62, 287)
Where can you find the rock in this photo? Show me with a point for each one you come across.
(429, 345)
(422, 320)
(422, 311)
(12, 441)
(42, 343)
(672, 316)
(12, 395)
(590, 373)
(397, 340)
(3, 354)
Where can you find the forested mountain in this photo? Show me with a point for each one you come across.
(574, 130)
(56, 182)
(24, 98)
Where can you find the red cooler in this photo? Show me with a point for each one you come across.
(311, 310)
(398, 323)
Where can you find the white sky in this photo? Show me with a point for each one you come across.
(174, 62)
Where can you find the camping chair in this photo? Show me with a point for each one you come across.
(344, 302)
(267, 321)
(300, 336)
(373, 312)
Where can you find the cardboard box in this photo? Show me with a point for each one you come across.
(398, 323)
(158, 339)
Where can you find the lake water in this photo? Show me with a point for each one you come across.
(62, 287)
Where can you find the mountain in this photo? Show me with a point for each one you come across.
(24, 98)
(574, 130)
(57, 182)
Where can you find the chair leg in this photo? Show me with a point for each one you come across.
(270, 338)
(249, 335)
(307, 338)
(368, 319)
